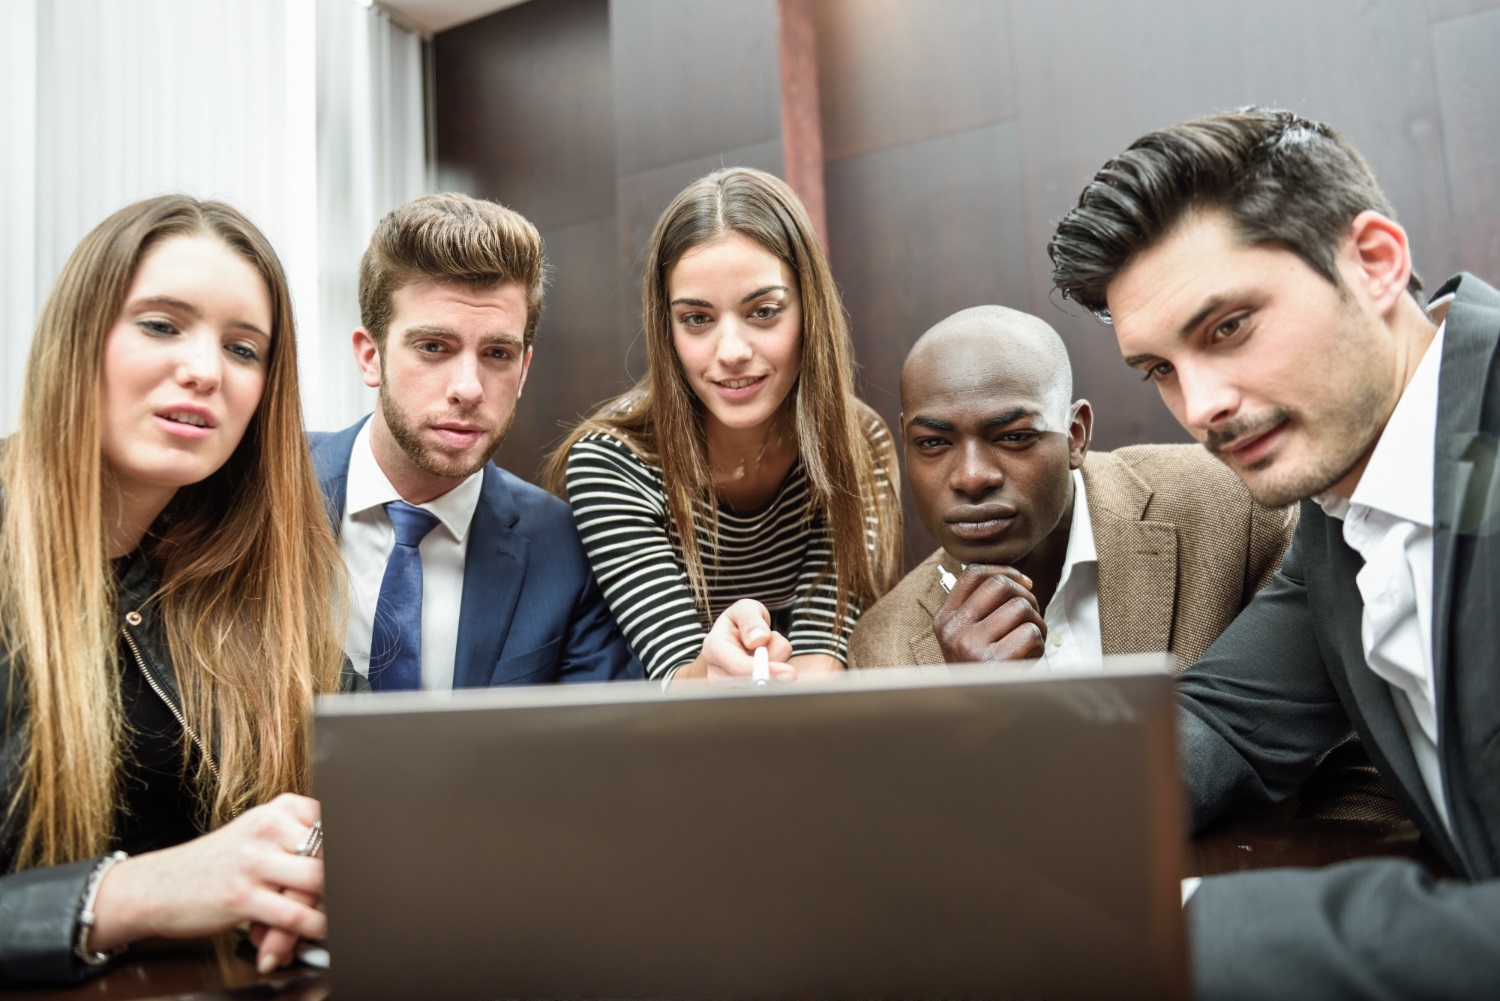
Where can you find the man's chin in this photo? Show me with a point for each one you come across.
(454, 465)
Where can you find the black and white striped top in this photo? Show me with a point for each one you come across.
(779, 555)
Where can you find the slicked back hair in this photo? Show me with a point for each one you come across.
(1279, 179)
(449, 237)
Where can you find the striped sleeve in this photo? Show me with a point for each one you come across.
(621, 511)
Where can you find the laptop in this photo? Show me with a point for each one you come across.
(950, 833)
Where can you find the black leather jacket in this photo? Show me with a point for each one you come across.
(39, 906)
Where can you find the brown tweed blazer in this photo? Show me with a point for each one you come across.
(1182, 548)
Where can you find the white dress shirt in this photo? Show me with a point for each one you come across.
(1389, 522)
(1072, 616)
(366, 540)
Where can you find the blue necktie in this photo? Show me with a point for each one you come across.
(396, 639)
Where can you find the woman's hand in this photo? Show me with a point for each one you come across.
(729, 649)
(235, 874)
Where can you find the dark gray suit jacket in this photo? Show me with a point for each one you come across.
(1285, 684)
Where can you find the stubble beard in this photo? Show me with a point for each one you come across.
(1339, 434)
(432, 461)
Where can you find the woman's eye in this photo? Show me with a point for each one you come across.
(766, 312)
(246, 352)
(693, 319)
(158, 328)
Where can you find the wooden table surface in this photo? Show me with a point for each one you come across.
(196, 971)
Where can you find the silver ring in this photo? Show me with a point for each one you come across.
(313, 843)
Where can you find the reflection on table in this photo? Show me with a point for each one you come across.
(203, 972)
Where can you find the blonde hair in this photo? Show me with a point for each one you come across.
(449, 237)
(246, 559)
(838, 436)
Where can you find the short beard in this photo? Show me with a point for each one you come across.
(434, 463)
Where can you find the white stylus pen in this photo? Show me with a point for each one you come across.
(760, 674)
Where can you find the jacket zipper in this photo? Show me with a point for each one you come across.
(134, 618)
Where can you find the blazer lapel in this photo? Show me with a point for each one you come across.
(1137, 560)
(1338, 601)
(1466, 562)
(330, 458)
(923, 643)
(494, 570)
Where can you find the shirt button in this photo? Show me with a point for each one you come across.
(1057, 639)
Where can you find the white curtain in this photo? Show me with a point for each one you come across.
(111, 101)
(373, 155)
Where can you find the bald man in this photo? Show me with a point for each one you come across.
(1049, 552)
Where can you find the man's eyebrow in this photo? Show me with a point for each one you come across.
(1210, 306)
(511, 340)
(1213, 305)
(415, 333)
(1010, 416)
(762, 291)
(931, 423)
(187, 308)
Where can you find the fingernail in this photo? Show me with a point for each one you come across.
(266, 964)
(755, 634)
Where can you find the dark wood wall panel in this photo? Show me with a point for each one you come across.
(525, 112)
(1123, 76)
(693, 78)
(917, 232)
(579, 345)
(955, 133)
(642, 196)
(893, 71)
(1468, 80)
(525, 115)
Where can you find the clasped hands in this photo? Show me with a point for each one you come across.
(249, 870)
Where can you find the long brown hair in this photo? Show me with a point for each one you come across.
(246, 558)
(841, 440)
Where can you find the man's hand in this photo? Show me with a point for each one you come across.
(990, 615)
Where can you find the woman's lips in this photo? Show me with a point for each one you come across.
(739, 389)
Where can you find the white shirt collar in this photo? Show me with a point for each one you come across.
(1398, 478)
(1081, 548)
(368, 487)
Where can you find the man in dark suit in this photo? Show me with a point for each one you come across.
(1252, 268)
(461, 575)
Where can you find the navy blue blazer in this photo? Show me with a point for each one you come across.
(532, 612)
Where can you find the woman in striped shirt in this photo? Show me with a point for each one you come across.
(741, 483)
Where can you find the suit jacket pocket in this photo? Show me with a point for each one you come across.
(531, 667)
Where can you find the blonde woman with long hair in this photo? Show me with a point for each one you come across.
(165, 566)
(740, 496)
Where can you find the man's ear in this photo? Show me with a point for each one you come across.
(1377, 259)
(367, 356)
(525, 367)
(1080, 433)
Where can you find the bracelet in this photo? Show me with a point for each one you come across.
(86, 913)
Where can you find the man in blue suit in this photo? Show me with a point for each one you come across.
(461, 575)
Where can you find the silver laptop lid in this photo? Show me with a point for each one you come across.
(953, 833)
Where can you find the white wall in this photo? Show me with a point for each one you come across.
(292, 111)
